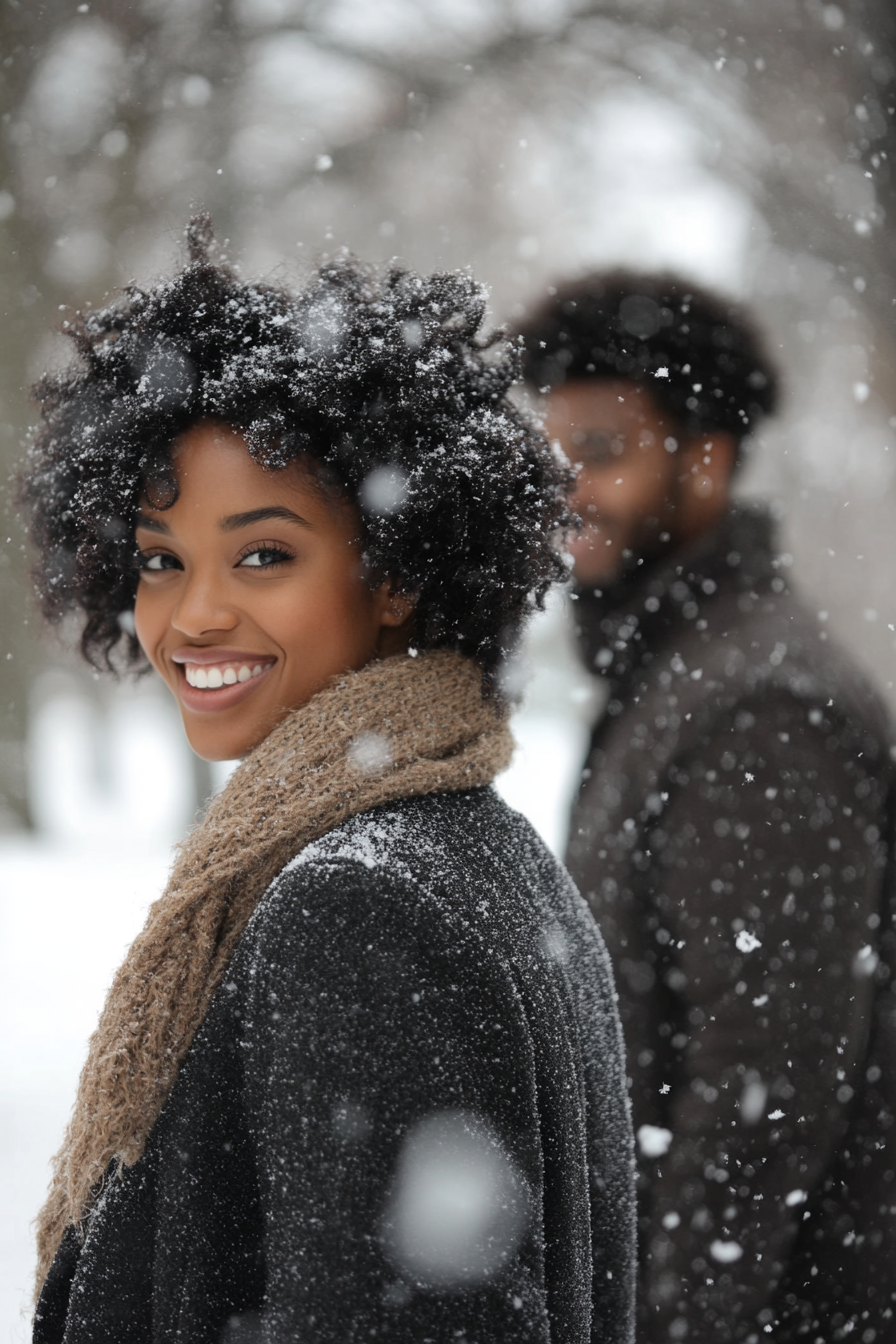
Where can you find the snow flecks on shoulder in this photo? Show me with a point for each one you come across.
(399, 842)
(370, 839)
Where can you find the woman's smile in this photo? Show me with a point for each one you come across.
(213, 679)
(252, 592)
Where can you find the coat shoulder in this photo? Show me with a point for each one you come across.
(785, 648)
(461, 871)
(466, 846)
(420, 828)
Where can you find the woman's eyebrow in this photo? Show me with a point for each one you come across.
(152, 524)
(235, 521)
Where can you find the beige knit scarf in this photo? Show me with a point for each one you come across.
(403, 726)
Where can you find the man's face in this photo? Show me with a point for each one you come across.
(631, 474)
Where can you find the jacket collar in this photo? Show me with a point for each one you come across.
(622, 627)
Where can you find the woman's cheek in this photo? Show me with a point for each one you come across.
(145, 624)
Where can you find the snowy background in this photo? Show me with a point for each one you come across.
(746, 144)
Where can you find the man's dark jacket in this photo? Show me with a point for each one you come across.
(731, 839)
(403, 1119)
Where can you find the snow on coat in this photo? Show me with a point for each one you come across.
(404, 1116)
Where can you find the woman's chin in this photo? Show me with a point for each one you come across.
(215, 751)
(217, 742)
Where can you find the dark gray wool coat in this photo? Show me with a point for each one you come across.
(731, 841)
(403, 1118)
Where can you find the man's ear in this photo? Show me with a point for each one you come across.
(707, 465)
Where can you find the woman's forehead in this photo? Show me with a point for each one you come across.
(212, 467)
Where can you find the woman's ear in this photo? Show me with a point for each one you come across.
(397, 606)
(395, 610)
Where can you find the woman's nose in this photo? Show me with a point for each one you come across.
(203, 607)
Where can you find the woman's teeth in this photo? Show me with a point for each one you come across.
(210, 678)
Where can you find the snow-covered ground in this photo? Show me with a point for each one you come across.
(73, 897)
(66, 918)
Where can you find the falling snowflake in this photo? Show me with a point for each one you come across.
(653, 1140)
(370, 753)
(726, 1252)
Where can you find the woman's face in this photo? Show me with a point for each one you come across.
(252, 594)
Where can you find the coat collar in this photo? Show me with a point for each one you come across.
(621, 628)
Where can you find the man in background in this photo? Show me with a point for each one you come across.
(729, 836)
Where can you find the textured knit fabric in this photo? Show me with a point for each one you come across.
(395, 728)
(402, 1118)
(730, 837)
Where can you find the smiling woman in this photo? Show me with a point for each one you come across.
(246, 612)
(360, 1075)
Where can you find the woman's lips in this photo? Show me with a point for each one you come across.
(209, 682)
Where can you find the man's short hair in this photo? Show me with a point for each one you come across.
(699, 354)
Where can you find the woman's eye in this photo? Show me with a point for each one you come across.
(158, 561)
(264, 557)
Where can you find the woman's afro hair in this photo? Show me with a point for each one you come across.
(700, 354)
(381, 383)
